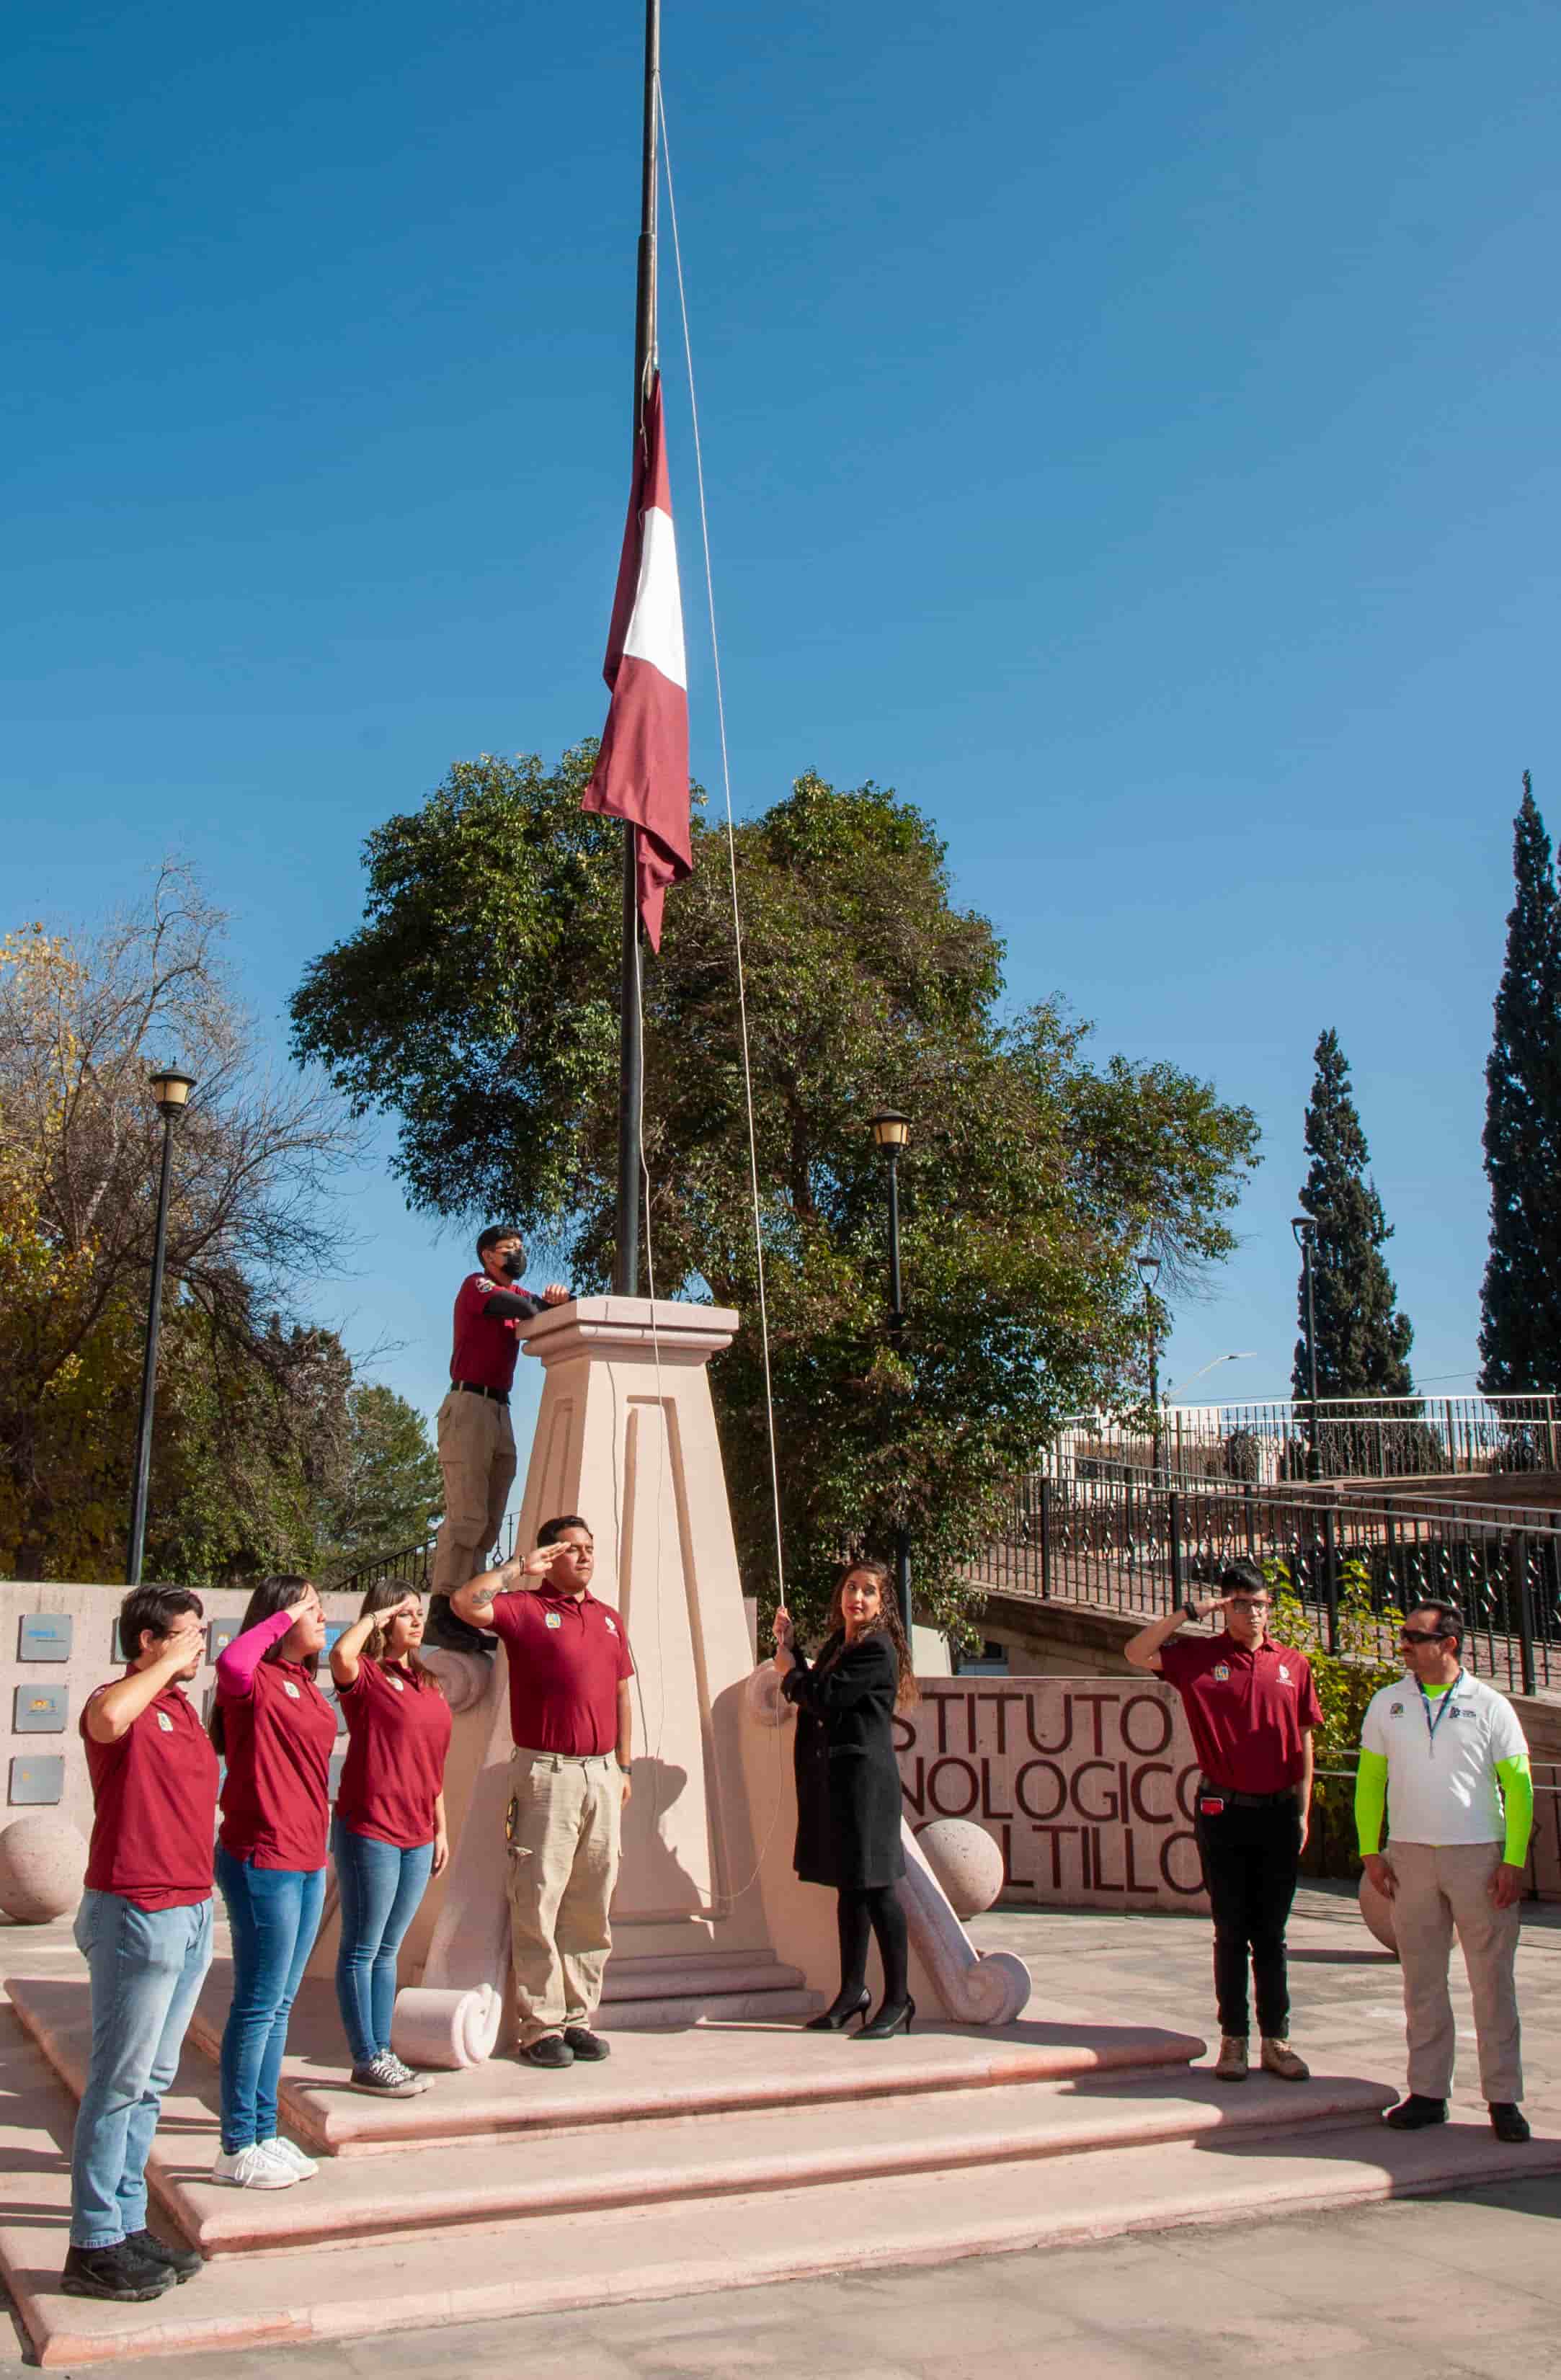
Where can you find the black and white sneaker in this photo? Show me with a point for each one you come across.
(385, 2077)
(409, 2074)
(120, 2273)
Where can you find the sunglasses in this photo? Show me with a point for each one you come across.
(1423, 1635)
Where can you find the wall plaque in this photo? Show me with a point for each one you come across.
(37, 1777)
(38, 1710)
(44, 1636)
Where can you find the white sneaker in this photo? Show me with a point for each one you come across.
(254, 2168)
(290, 2158)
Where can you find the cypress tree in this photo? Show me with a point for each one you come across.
(1521, 1302)
(1362, 1341)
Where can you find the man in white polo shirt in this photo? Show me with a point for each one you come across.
(1446, 1754)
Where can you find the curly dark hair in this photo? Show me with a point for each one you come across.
(907, 1692)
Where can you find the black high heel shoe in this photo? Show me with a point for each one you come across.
(840, 2011)
(894, 2017)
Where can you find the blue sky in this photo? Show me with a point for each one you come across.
(1130, 430)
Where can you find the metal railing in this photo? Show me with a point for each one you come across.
(414, 1563)
(1138, 1543)
(1264, 1444)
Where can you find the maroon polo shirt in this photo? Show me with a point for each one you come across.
(398, 1735)
(486, 1346)
(277, 1796)
(1248, 1711)
(155, 1797)
(567, 1656)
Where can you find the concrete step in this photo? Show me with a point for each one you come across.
(654, 2074)
(553, 2262)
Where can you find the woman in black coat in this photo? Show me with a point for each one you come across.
(848, 1786)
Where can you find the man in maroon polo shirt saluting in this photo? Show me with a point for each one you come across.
(475, 1443)
(1250, 1705)
(572, 1722)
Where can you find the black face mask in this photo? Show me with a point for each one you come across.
(514, 1266)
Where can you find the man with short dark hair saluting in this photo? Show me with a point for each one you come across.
(475, 1443)
(1446, 1755)
(572, 1724)
(1252, 1706)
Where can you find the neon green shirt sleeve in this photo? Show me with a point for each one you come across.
(1517, 1796)
(1371, 1801)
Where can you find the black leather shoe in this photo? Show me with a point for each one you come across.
(1413, 2114)
(120, 2272)
(183, 2263)
(551, 2050)
(587, 2045)
(1509, 2122)
(841, 2010)
(894, 2017)
(451, 1634)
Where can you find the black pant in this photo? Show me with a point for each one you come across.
(1251, 1858)
(877, 1906)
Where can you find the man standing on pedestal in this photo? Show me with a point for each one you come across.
(1444, 1753)
(572, 1723)
(475, 1443)
(1250, 1705)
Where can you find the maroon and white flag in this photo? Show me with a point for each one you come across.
(642, 770)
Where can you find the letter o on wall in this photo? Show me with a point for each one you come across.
(1161, 1724)
(971, 1781)
(1059, 1787)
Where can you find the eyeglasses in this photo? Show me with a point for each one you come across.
(1245, 1603)
(1422, 1635)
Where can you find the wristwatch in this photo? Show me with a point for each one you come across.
(626, 1766)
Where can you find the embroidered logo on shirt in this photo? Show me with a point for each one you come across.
(398, 1686)
(612, 1624)
(1394, 1709)
(289, 1690)
(1221, 1671)
(553, 1619)
(1285, 1678)
(165, 1722)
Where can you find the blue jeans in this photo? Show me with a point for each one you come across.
(147, 1967)
(381, 1888)
(274, 1913)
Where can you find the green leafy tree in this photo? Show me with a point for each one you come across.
(1363, 1341)
(477, 1004)
(1520, 1301)
(388, 1491)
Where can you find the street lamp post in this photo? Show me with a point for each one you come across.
(1149, 1273)
(891, 1131)
(1305, 1230)
(171, 1089)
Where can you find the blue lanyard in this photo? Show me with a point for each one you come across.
(1443, 1703)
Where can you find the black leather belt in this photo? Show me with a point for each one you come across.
(1242, 1800)
(475, 1388)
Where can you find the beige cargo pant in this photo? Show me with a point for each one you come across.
(477, 1457)
(1439, 1887)
(562, 1863)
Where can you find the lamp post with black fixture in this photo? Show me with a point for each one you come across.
(171, 1088)
(1305, 1230)
(891, 1131)
(1149, 1273)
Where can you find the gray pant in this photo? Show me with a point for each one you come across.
(1442, 1886)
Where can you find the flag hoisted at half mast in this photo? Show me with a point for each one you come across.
(641, 772)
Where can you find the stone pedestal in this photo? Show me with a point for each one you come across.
(626, 1437)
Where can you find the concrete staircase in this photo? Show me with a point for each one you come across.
(719, 2157)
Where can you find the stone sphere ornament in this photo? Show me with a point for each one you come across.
(965, 1861)
(43, 1863)
(1377, 1911)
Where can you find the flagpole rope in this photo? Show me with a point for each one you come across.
(731, 853)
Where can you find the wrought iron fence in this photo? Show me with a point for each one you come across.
(1137, 1543)
(1266, 1443)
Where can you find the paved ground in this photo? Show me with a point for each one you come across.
(1470, 2283)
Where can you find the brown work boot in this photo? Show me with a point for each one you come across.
(1279, 2058)
(1230, 2066)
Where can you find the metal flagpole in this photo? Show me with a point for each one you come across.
(631, 1041)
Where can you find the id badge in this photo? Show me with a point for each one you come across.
(1210, 1805)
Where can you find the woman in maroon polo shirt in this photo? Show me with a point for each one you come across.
(275, 1730)
(388, 1837)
